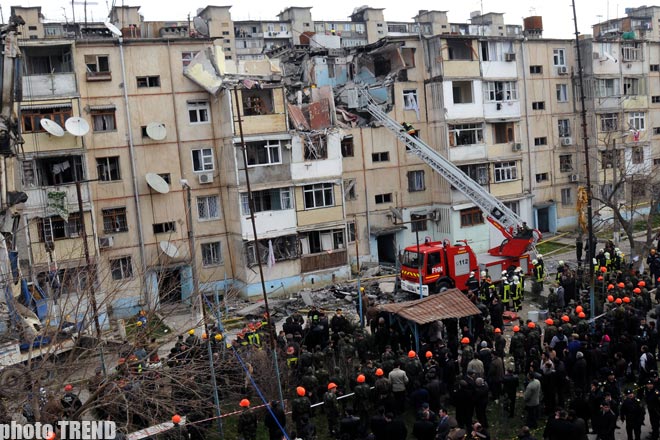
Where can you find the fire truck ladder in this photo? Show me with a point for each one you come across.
(498, 214)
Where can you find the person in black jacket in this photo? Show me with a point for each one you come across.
(273, 417)
(632, 413)
(606, 422)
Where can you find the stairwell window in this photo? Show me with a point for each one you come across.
(538, 105)
(566, 196)
(148, 81)
(506, 171)
(383, 156)
(121, 268)
(410, 101)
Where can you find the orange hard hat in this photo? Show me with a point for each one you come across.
(360, 378)
(379, 372)
(411, 354)
(301, 391)
(603, 269)
(626, 299)
(68, 387)
(497, 330)
(121, 361)
(428, 355)
(244, 403)
(565, 318)
(176, 419)
(465, 340)
(531, 325)
(581, 315)
(600, 278)
(516, 329)
(579, 309)
(610, 298)
(621, 285)
(642, 283)
(549, 321)
(332, 385)
(610, 286)
(205, 336)
(637, 290)
(618, 301)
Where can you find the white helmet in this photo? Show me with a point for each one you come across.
(535, 261)
(471, 274)
(607, 255)
(504, 272)
(539, 256)
(561, 263)
(483, 274)
(518, 269)
(617, 250)
(516, 279)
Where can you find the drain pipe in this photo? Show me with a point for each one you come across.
(131, 154)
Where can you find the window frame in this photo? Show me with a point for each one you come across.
(107, 169)
(125, 267)
(559, 57)
(104, 114)
(201, 109)
(471, 217)
(566, 163)
(475, 132)
(204, 159)
(506, 90)
(148, 81)
(562, 92)
(636, 120)
(204, 207)
(380, 199)
(505, 171)
(410, 99)
(608, 122)
(322, 196)
(272, 147)
(564, 127)
(115, 216)
(58, 115)
(212, 250)
(416, 182)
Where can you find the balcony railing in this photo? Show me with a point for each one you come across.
(324, 260)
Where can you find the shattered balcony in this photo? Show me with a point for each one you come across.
(48, 72)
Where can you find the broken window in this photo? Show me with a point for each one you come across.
(503, 132)
(462, 91)
(496, 50)
(347, 148)
(382, 65)
(284, 248)
(32, 116)
(56, 228)
(202, 159)
(51, 171)
(121, 268)
(114, 220)
(162, 228)
(352, 232)
(410, 100)
(263, 152)
(316, 147)
(608, 159)
(211, 253)
(314, 242)
(257, 102)
(637, 155)
(103, 120)
(566, 163)
(408, 55)
(350, 193)
(607, 87)
(465, 134)
(632, 86)
(609, 122)
(476, 172)
(47, 60)
(108, 169)
(416, 181)
(276, 199)
(459, 49)
(97, 67)
(187, 57)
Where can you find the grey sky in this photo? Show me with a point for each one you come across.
(557, 15)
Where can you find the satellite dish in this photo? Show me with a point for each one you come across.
(77, 126)
(112, 28)
(52, 127)
(169, 249)
(201, 26)
(157, 183)
(156, 131)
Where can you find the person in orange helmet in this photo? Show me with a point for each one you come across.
(301, 408)
(331, 409)
(362, 402)
(70, 401)
(247, 422)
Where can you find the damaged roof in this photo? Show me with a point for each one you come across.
(449, 304)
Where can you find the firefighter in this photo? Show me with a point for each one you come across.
(253, 338)
(472, 285)
(70, 401)
(505, 290)
(517, 293)
(560, 270)
(247, 422)
(409, 129)
(301, 407)
(484, 286)
(539, 275)
(521, 280)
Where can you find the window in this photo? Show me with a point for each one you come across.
(631, 51)
(257, 102)
(203, 159)
(471, 217)
(284, 248)
(609, 122)
(465, 134)
(462, 91)
(31, 117)
(655, 99)
(198, 112)
(121, 268)
(562, 93)
(459, 49)
(383, 198)
(536, 70)
(637, 120)
(541, 177)
(497, 51)
(505, 171)
(263, 152)
(418, 222)
(513, 206)
(52, 171)
(165, 227)
(501, 91)
(564, 127)
(319, 195)
(416, 181)
(608, 159)
(276, 199)
(55, 228)
(637, 155)
(187, 57)
(559, 57)
(107, 168)
(97, 67)
(383, 156)
(566, 163)
(315, 147)
(207, 207)
(211, 253)
(654, 67)
(540, 141)
(352, 232)
(503, 132)
(350, 192)
(114, 220)
(477, 172)
(566, 196)
(103, 120)
(656, 130)
(347, 147)
(607, 87)
(148, 81)
(632, 86)
(410, 101)
(538, 105)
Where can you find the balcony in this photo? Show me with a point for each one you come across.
(49, 85)
(325, 260)
(38, 198)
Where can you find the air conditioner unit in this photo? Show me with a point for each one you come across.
(509, 57)
(562, 70)
(205, 178)
(516, 146)
(565, 141)
(434, 215)
(106, 242)
(573, 177)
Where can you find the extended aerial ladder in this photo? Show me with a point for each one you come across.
(518, 239)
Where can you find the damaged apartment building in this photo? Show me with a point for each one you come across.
(156, 152)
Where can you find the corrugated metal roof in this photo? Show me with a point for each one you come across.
(101, 107)
(449, 304)
(46, 106)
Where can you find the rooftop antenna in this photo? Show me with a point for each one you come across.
(66, 20)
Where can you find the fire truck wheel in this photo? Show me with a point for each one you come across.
(441, 286)
(13, 380)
